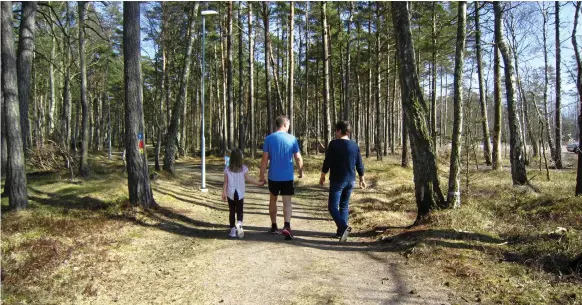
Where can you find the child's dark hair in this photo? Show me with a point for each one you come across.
(236, 160)
(344, 127)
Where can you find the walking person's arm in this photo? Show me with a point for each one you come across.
(360, 169)
(224, 187)
(299, 161)
(254, 181)
(326, 165)
(264, 162)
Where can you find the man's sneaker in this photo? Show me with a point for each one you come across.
(287, 233)
(232, 232)
(239, 230)
(274, 231)
(344, 236)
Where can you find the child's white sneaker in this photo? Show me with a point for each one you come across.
(232, 232)
(239, 229)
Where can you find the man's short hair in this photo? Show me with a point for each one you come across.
(344, 127)
(280, 121)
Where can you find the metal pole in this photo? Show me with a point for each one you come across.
(203, 154)
(109, 126)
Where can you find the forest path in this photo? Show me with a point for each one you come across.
(186, 257)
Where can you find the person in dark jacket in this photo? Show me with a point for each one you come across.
(342, 160)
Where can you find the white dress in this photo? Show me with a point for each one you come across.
(236, 182)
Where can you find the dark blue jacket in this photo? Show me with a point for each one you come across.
(343, 157)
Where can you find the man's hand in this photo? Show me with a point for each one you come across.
(301, 173)
(223, 196)
(363, 183)
(322, 179)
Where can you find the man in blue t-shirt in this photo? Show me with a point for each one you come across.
(279, 150)
(342, 159)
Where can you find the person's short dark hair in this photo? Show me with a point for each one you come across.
(344, 127)
(280, 121)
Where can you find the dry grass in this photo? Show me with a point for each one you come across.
(500, 247)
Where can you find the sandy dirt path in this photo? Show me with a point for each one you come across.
(184, 256)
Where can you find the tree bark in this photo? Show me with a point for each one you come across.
(433, 78)
(306, 104)
(578, 190)
(241, 125)
(171, 137)
(518, 171)
(558, 119)
(496, 154)
(291, 70)
(546, 82)
(252, 81)
(454, 195)
(84, 165)
(229, 85)
(427, 186)
(270, 118)
(378, 137)
(140, 192)
(24, 68)
(482, 100)
(66, 110)
(326, 99)
(15, 185)
(347, 87)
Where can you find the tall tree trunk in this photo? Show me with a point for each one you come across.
(66, 110)
(578, 190)
(496, 154)
(270, 121)
(140, 192)
(326, 99)
(160, 118)
(15, 185)
(378, 136)
(229, 79)
(558, 120)
(52, 100)
(347, 87)
(241, 125)
(546, 82)
(427, 187)
(84, 166)
(252, 81)
(518, 171)
(25, 58)
(433, 78)
(482, 100)
(454, 195)
(171, 137)
(306, 104)
(291, 70)
(368, 113)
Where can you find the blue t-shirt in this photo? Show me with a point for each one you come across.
(281, 147)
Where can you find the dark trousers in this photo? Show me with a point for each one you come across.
(235, 205)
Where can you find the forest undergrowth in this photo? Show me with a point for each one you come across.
(505, 245)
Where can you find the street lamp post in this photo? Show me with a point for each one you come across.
(109, 125)
(203, 153)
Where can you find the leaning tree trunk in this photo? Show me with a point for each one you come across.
(558, 119)
(267, 80)
(24, 67)
(426, 181)
(84, 166)
(454, 195)
(140, 192)
(15, 185)
(326, 99)
(482, 100)
(579, 87)
(518, 171)
(171, 137)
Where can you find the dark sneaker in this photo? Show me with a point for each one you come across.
(344, 236)
(287, 233)
(274, 231)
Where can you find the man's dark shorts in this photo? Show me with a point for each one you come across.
(283, 188)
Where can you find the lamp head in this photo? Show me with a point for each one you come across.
(208, 12)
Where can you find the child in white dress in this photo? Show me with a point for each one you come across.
(235, 176)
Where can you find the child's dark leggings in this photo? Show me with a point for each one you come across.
(237, 205)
